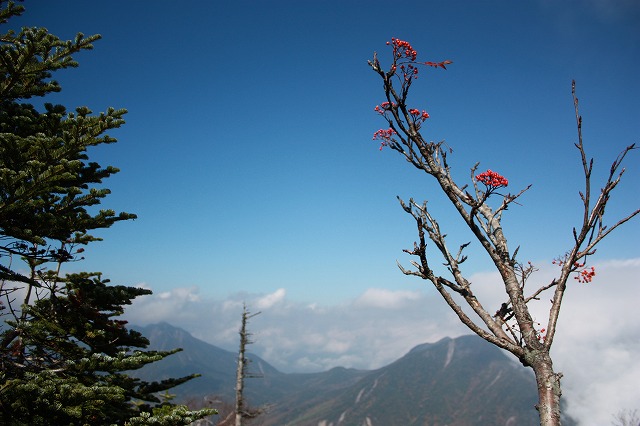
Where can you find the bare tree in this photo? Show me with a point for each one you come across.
(626, 418)
(241, 410)
(511, 327)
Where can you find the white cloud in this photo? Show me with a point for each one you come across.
(598, 337)
(172, 306)
(270, 300)
(596, 345)
(385, 299)
(598, 341)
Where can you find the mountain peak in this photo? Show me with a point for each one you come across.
(454, 381)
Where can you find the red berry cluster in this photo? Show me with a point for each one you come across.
(404, 59)
(419, 115)
(404, 52)
(403, 48)
(542, 335)
(383, 107)
(586, 275)
(385, 136)
(492, 179)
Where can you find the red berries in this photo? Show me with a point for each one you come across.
(403, 49)
(492, 179)
(586, 275)
(384, 135)
(383, 107)
(422, 115)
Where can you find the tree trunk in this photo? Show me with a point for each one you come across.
(241, 411)
(549, 390)
(240, 381)
(241, 370)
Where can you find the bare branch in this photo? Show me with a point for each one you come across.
(593, 229)
(512, 326)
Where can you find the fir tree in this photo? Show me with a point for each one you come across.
(63, 351)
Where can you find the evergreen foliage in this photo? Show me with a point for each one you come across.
(63, 351)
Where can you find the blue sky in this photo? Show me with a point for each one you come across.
(247, 155)
(247, 152)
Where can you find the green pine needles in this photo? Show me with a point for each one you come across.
(65, 356)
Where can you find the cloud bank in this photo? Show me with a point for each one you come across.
(595, 348)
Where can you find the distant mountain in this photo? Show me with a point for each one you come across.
(217, 367)
(462, 381)
(455, 382)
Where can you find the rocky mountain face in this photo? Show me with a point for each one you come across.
(462, 381)
(454, 382)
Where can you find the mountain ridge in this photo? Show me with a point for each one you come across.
(454, 381)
